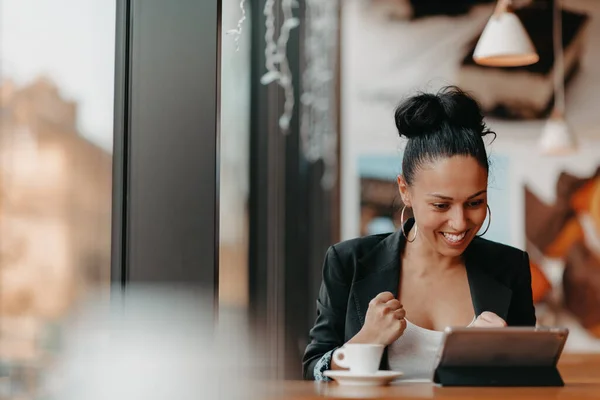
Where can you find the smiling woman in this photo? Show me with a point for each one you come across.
(449, 200)
(445, 168)
(401, 290)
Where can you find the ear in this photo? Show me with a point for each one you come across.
(404, 191)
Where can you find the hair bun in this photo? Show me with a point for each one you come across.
(419, 115)
(427, 113)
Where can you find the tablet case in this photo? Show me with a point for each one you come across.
(498, 376)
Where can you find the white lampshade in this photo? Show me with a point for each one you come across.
(556, 138)
(505, 43)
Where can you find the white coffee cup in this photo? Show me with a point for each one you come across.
(359, 358)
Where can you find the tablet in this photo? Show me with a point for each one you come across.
(501, 355)
(510, 346)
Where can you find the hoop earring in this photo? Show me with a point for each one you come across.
(404, 223)
(489, 221)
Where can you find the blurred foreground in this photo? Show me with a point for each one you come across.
(151, 342)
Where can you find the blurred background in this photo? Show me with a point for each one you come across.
(305, 155)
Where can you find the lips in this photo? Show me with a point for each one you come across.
(454, 239)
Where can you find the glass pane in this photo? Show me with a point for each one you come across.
(234, 162)
(56, 133)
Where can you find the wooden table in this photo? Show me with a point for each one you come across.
(581, 373)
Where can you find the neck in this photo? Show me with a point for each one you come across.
(423, 256)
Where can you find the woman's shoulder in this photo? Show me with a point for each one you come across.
(358, 247)
(492, 249)
(342, 259)
(499, 259)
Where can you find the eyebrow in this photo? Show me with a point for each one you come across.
(440, 196)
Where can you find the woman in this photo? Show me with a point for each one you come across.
(402, 289)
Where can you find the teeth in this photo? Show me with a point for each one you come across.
(454, 238)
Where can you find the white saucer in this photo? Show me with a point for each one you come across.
(352, 378)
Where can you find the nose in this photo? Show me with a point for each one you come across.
(458, 219)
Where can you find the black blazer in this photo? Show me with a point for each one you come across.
(355, 271)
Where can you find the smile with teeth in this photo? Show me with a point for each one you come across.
(454, 237)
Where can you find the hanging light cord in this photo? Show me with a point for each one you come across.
(559, 66)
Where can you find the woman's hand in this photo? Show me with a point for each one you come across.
(384, 322)
(488, 319)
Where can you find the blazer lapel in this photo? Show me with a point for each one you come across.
(487, 293)
(378, 271)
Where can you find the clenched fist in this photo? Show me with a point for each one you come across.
(384, 322)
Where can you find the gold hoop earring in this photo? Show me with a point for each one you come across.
(489, 221)
(404, 223)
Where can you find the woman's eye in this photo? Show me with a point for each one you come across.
(440, 206)
(475, 203)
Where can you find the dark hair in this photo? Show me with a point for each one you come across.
(439, 125)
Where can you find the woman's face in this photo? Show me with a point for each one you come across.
(448, 198)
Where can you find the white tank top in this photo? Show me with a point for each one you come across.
(414, 353)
